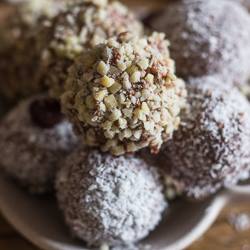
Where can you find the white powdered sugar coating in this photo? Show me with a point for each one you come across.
(245, 3)
(208, 37)
(117, 200)
(30, 154)
(212, 147)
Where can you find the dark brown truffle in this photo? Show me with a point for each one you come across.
(208, 37)
(212, 147)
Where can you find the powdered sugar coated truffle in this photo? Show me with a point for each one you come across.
(212, 147)
(109, 199)
(32, 142)
(208, 37)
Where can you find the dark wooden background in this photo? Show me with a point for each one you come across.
(222, 235)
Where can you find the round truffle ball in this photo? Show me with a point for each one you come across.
(34, 137)
(208, 37)
(20, 49)
(211, 149)
(84, 25)
(116, 200)
(123, 95)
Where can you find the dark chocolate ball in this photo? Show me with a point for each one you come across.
(208, 37)
(212, 147)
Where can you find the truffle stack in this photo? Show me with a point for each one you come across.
(122, 95)
(119, 90)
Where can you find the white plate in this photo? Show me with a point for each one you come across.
(39, 220)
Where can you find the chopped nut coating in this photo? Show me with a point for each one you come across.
(137, 97)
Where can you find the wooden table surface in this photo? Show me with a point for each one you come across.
(222, 235)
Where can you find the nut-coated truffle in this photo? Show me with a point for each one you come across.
(212, 147)
(123, 95)
(20, 46)
(116, 200)
(208, 37)
(83, 25)
(34, 137)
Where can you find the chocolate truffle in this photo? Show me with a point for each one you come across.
(208, 37)
(20, 49)
(116, 200)
(123, 95)
(84, 25)
(212, 147)
(34, 137)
